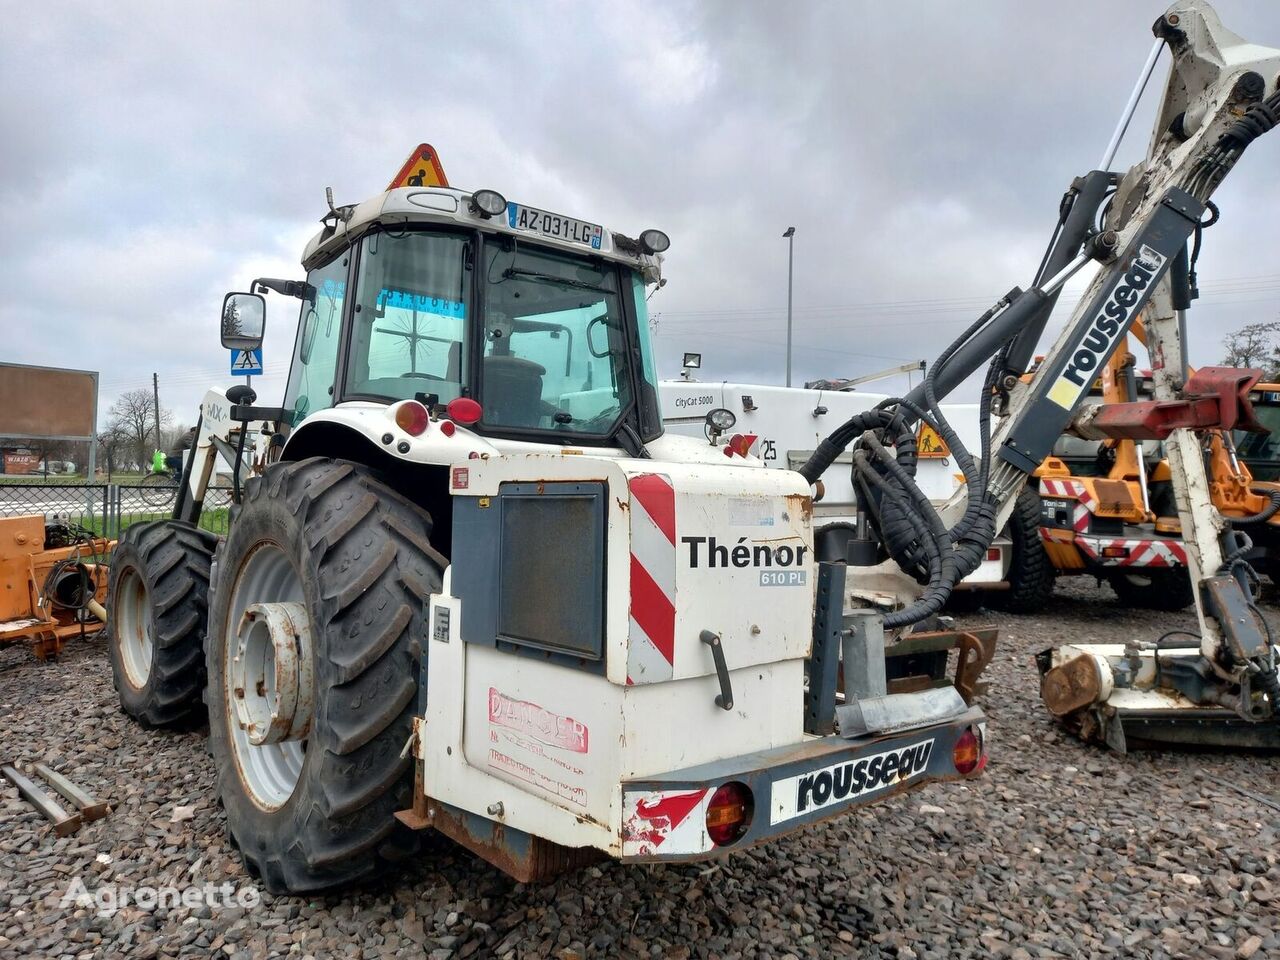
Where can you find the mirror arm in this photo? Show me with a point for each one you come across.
(290, 288)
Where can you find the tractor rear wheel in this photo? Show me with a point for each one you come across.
(313, 659)
(158, 599)
(1159, 588)
(1031, 575)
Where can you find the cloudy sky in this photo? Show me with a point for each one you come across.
(156, 155)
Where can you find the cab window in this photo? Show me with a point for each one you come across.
(555, 351)
(315, 353)
(409, 330)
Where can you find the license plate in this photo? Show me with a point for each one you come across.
(554, 225)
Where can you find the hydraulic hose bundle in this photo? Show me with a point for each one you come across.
(904, 519)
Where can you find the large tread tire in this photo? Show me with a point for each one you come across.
(1031, 575)
(363, 555)
(162, 568)
(1155, 589)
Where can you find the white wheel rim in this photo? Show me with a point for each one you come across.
(270, 772)
(133, 627)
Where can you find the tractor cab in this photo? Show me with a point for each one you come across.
(437, 295)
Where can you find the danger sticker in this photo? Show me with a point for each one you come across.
(537, 722)
(461, 478)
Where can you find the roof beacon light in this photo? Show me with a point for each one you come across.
(655, 241)
(488, 203)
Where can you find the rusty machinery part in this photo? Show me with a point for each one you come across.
(324, 572)
(74, 581)
(918, 661)
(158, 603)
(64, 822)
(90, 808)
(53, 576)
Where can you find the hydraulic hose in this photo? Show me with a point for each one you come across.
(1263, 515)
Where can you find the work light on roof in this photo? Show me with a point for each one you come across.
(488, 203)
(655, 241)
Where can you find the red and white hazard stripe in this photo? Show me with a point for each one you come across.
(1071, 490)
(1140, 553)
(652, 640)
(670, 822)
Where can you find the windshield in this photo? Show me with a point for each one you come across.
(555, 349)
(411, 316)
(1261, 451)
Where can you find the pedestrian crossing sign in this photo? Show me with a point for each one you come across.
(246, 363)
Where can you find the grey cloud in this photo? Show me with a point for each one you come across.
(155, 155)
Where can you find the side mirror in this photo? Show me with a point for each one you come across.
(244, 319)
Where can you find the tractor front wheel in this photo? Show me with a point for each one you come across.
(158, 601)
(313, 660)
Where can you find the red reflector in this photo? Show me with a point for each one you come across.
(729, 813)
(464, 410)
(993, 553)
(967, 754)
(740, 443)
(447, 427)
(1120, 552)
(411, 417)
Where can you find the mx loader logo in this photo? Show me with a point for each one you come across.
(1112, 321)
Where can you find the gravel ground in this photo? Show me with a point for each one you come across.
(1061, 850)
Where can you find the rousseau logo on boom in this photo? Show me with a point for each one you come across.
(1112, 321)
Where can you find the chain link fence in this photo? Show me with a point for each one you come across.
(108, 509)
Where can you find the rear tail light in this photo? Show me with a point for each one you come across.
(411, 417)
(993, 553)
(464, 410)
(729, 813)
(967, 754)
(447, 428)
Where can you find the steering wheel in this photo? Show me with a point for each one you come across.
(423, 376)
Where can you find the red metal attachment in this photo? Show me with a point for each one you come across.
(1214, 398)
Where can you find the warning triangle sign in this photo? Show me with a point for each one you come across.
(929, 445)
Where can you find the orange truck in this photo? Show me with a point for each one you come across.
(1108, 510)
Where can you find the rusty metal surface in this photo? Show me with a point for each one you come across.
(90, 809)
(522, 856)
(64, 823)
(975, 648)
(283, 712)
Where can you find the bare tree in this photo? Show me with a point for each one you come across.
(1255, 345)
(133, 415)
(112, 449)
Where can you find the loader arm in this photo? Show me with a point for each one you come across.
(1211, 77)
(1215, 79)
(225, 420)
(1221, 94)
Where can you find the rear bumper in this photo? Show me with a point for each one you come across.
(664, 818)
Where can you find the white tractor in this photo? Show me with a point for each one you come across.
(476, 587)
